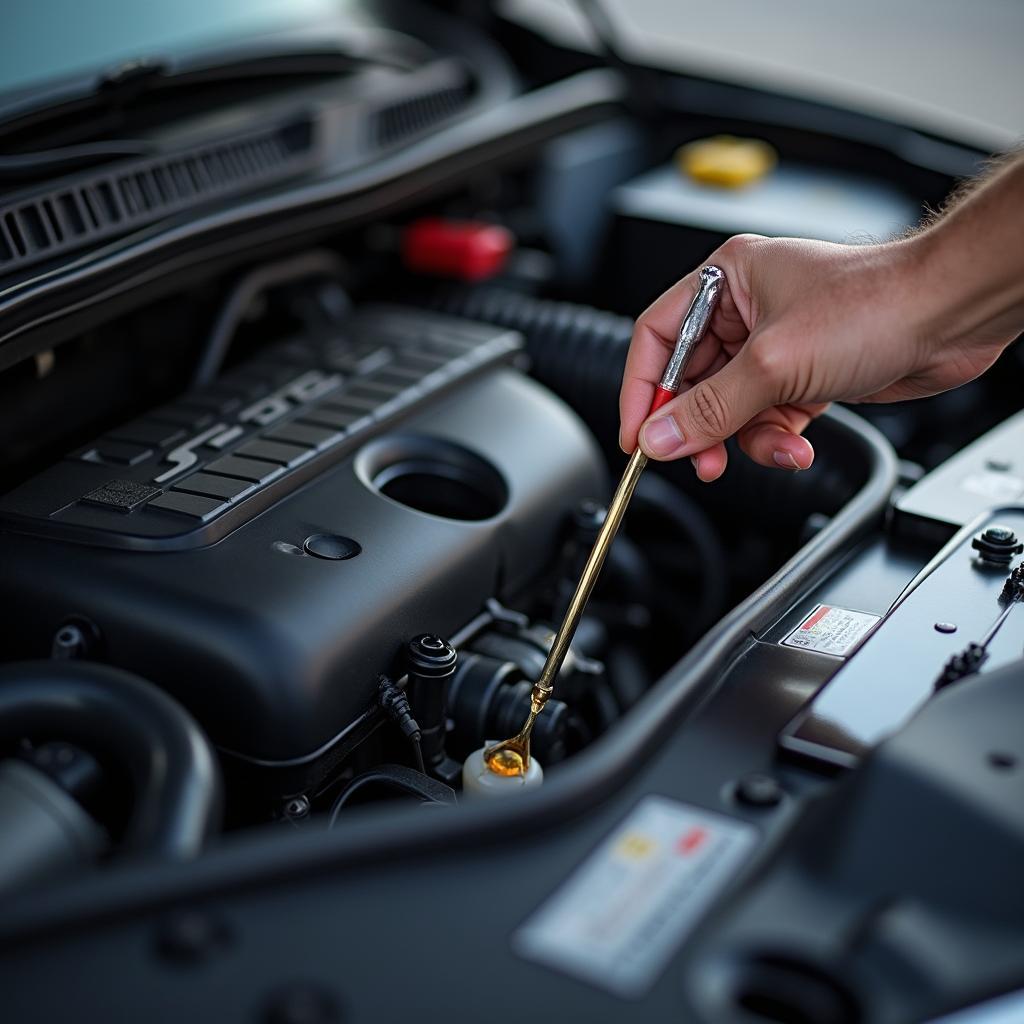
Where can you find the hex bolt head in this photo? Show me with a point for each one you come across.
(296, 808)
(996, 545)
(759, 790)
(999, 535)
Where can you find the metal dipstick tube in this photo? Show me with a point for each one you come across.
(512, 756)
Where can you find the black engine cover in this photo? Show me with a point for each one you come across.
(272, 646)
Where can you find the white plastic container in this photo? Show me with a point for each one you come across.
(479, 781)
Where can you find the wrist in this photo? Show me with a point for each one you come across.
(966, 270)
(940, 296)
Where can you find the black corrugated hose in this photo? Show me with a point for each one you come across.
(577, 351)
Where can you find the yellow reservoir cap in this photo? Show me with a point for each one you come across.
(726, 161)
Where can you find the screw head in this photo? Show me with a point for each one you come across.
(996, 545)
(999, 535)
(296, 807)
(759, 790)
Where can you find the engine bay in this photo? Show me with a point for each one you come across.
(296, 491)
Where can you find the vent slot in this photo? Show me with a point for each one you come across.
(103, 203)
(415, 114)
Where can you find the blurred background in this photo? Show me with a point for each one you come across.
(949, 65)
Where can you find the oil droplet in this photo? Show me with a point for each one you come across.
(506, 762)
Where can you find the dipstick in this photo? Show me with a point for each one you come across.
(512, 756)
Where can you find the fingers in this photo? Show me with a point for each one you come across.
(710, 465)
(775, 447)
(712, 410)
(654, 337)
(772, 438)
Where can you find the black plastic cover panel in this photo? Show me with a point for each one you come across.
(958, 599)
(443, 477)
(188, 473)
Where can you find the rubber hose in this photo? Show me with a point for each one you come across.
(174, 774)
(577, 351)
(689, 520)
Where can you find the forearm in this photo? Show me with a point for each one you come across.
(970, 261)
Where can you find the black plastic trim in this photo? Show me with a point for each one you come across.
(145, 263)
(88, 208)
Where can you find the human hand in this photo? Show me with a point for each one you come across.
(800, 324)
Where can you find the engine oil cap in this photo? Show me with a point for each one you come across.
(330, 546)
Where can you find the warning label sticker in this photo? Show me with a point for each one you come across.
(620, 917)
(832, 630)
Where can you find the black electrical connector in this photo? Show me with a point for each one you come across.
(394, 703)
(968, 661)
(431, 661)
(962, 665)
(1013, 588)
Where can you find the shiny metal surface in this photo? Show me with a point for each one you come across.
(516, 751)
(512, 756)
(694, 326)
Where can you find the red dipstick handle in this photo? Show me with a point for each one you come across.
(661, 396)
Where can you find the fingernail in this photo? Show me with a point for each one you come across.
(785, 460)
(695, 462)
(662, 436)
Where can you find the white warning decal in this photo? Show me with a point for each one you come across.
(832, 630)
(619, 918)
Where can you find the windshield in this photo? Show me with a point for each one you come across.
(51, 39)
(951, 65)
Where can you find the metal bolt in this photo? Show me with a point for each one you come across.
(69, 642)
(76, 637)
(297, 807)
(945, 627)
(999, 535)
(759, 790)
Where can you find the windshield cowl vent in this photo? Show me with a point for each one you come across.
(120, 197)
(413, 115)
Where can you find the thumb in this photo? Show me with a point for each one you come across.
(711, 411)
